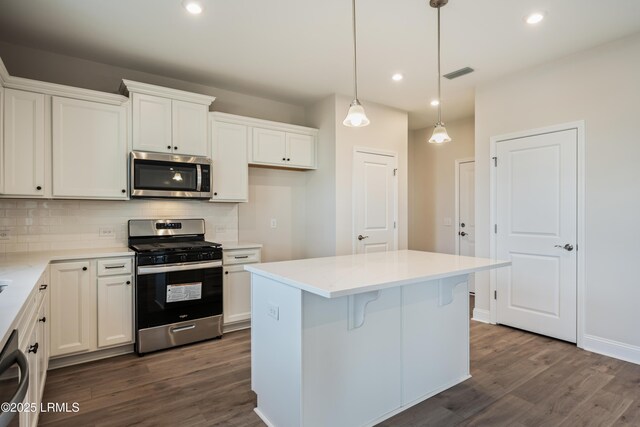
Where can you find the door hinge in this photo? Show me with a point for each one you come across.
(395, 172)
(495, 295)
(495, 162)
(495, 228)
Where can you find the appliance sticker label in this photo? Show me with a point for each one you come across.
(184, 292)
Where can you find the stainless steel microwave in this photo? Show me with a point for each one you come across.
(170, 176)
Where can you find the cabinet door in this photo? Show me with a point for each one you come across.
(230, 169)
(151, 123)
(189, 128)
(300, 150)
(73, 308)
(115, 308)
(89, 149)
(269, 147)
(31, 350)
(24, 143)
(236, 294)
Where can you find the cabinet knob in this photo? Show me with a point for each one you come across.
(128, 282)
(168, 147)
(215, 194)
(226, 272)
(43, 320)
(43, 287)
(124, 191)
(284, 159)
(39, 188)
(175, 148)
(34, 348)
(288, 160)
(84, 268)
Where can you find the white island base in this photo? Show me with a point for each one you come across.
(359, 359)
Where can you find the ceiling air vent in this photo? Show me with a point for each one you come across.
(458, 73)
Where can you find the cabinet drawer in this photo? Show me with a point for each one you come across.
(114, 266)
(241, 256)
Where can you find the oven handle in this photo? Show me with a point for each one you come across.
(155, 269)
(16, 357)
(199, 182)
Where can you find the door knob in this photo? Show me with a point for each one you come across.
(462, 225)
(462, 233)
(361, 237)
(568, 247)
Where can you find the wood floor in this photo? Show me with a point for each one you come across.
(519, 379)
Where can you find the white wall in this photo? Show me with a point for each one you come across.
(432, 185)
(388, 131)
(602, 87)
(42, 225)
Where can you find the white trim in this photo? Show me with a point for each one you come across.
(480, 315)
(611, 348)
(581, 233)
(129, 86)
(456, 228)
(91, 356)
(20, 83)
(379, 152)
(264, 124)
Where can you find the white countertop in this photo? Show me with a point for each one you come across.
(240, 245)
(333, 277)
(22, 271)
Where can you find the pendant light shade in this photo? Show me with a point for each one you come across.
(440, 134)
(356, 116)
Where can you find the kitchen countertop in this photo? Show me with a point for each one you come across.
(22, 270)
(240, 245)
(333, 277)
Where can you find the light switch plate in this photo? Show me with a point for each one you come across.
(447, 221)
(108, 232)
(273, 311)
(274, 223)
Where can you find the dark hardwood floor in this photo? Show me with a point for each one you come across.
(519, 379)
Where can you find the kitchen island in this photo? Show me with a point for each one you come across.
(353, 340)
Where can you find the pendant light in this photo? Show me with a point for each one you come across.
(356, 116)
(440, 134)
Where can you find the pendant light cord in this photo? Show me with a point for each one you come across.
(439, 77)
(355, 50)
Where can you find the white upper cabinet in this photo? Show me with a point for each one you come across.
(301, 150)
(151, 123)
(24, 144)
(229, 156)
(189, 128)
(269, 146)
(89, 149)
(167, 120)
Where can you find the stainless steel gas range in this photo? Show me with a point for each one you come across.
(178, 283)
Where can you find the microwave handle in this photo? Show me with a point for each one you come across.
(16, 357)
(199, 182)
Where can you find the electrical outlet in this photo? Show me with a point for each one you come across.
(108, 232)
(5, 234)
(273, 311)
(274, 223)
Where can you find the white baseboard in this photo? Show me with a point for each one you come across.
(616, 349)
(480, 315)
(236, 326)
(76, 359)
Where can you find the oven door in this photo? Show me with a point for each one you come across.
(167, 175)
(168, 294)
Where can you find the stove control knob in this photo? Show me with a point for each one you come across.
(183, 257)
(158, 260)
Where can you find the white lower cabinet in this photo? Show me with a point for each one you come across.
(91, 305)
(73, 307)
(237, 287)
(115, 313)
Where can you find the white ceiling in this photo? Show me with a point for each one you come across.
(299, 51)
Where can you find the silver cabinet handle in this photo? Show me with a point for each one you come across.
(361, 237)
(109, 267)
(568, 247)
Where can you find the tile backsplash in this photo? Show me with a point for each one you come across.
(42, 225)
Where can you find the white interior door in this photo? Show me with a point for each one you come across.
(466, 213)
(536, 199)
(374, 192)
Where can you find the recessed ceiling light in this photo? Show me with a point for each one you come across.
(193, 7)
(534, 18)
(435, 103)
(397, 77)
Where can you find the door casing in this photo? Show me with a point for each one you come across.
(579, 126)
